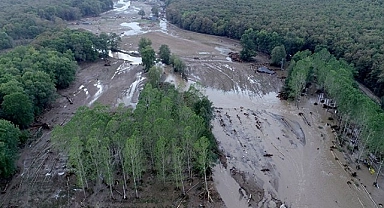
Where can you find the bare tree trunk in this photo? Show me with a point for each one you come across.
(206, 183)
(163, 169)
(134, 182)
(182, 185)
(189, 166)
(83, 178)
(110, 179)
(363, 148)
(378, 174)
(124, 177)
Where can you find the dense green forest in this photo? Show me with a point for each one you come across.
(30, 74)
(167, 133)
(21, 21)
(361, 120)
(352, 30)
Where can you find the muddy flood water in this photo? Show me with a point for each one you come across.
(274, 153)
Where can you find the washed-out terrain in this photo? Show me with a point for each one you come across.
(273, 152)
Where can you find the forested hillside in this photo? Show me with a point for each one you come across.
(21, 21)
(352, 30)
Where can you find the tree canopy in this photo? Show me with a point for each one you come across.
(24, 20)
(160, 134)
(143, 43)
(9, 139)
(148, 56)
(165, 54)
(30, 75)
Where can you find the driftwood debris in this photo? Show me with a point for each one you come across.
(43, 125)
(235, 56)
(304, 118)
(69, 99)
(5, 189)
(107, 62)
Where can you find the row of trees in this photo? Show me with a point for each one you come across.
(84, 45)
(148, 55)
(168, 133)
(358, 116)
(21, 20)
(351, 30)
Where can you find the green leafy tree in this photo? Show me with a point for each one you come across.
(203, 160)
(161, 157)
(18, 108)
(278, 55)
(143, 43)
(204, 108)
(9, 87)
(298, 78)
(5, 41)
(134, 160)
(155, 11)
(148, 57)
(178, 166)
(102, 44)
(39, 86)
(9, 139)
(165, 54)
(154, 75)
(60, 67)
(187, 144)
(93, 149)
(141, 13)
(107, 167)
(178, 64)
(248, 43)
(114, 41)
(76, 161)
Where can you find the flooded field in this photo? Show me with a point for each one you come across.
(274, 153)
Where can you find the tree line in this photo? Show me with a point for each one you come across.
(22, 21)
(360, 119)
(168, 134)
(30, 75)
(352, 30)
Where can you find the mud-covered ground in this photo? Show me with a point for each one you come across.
(273, 152)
